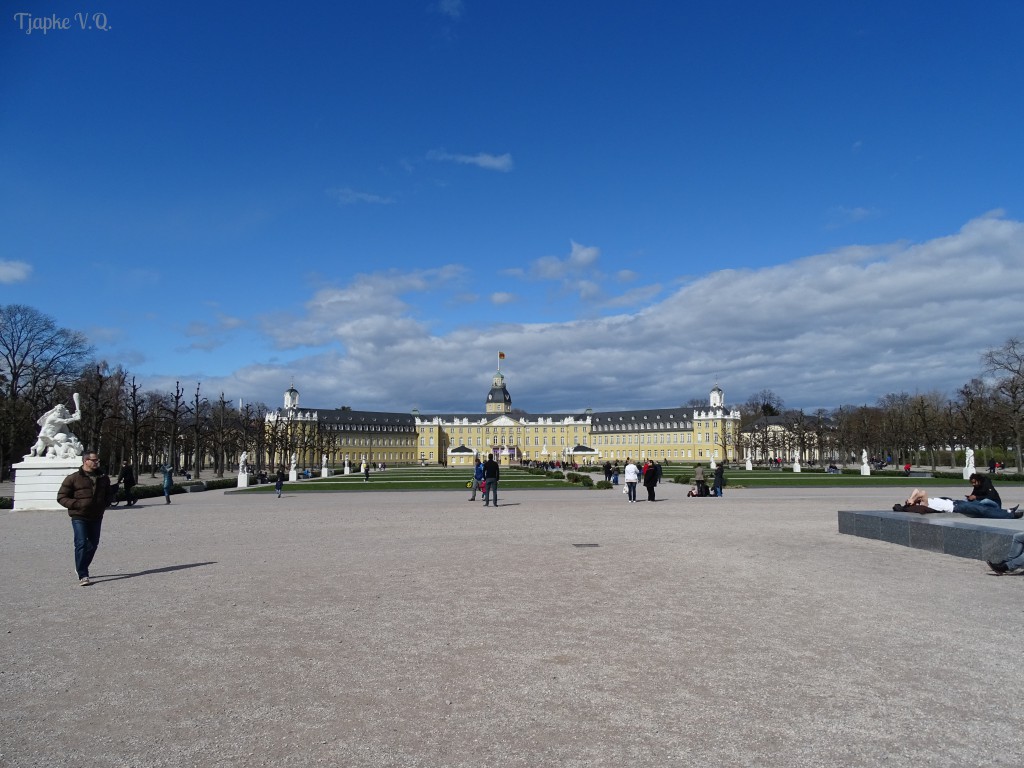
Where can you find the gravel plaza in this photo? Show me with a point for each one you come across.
(418, 629)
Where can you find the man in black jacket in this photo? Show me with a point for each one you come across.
(84, 494)
(491, 473)
(127, 479)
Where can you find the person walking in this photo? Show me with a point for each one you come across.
(699, 481)
(478, 476)
(491, 474)
(84, 495)
(651, 480)
(719, 480)
(126, 477)
(168, 481)
(279, 482)
(632, 476)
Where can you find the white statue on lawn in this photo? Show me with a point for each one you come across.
(243, 463)
(55, 440)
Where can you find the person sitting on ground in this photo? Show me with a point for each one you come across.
(923, 504)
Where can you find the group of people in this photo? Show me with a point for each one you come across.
(982, 501)
(485, 479)
(649, 474)
(700, 484)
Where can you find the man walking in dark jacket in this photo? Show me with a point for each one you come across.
(127, 479)
(84, 495)
(491, 473)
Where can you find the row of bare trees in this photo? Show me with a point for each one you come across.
(42, 364)
(986, 414)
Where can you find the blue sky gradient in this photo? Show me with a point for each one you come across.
(633, 201)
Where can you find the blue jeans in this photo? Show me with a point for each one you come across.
(631, 488)
(718, 489)
(1015, 557)
(492, 490)
(983, 508)
(87, 539)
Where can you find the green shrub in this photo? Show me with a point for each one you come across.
(587, 481)
(556, 475)
(681, 479)
(603, 484)
(6, 503)
(574, 477)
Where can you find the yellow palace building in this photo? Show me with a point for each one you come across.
(670, 434)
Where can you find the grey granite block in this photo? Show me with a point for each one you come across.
(962, 542)
(925, 536)
(973, 538)
(895, 530)
(848, 523)
(868, 526)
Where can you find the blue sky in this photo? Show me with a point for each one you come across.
(632, 201)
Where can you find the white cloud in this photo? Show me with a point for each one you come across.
(502, 297)
(14, 271)
(843, 327)
(841, 215)
(483, 160)
(451, 8)
(349, 196)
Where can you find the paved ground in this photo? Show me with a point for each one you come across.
(413, 629)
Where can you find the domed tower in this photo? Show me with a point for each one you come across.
(498, 399)
(717, 398)
(291, 398)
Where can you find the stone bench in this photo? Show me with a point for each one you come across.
(195, 487)
(918, 473)
(971, 537)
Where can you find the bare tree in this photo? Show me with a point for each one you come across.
(1006, 364)
(763, 403)
(174, 408)
(38, 362)
(198, 410)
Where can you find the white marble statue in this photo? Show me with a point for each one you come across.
(969, 468)
(295, 461)
(55, 440)
(863, 455)
(323, 460)
(243, 463)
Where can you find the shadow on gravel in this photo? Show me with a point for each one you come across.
(150, 572)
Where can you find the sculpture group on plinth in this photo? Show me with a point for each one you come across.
(55, 453)
(55, 440)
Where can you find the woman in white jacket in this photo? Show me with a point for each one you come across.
(632, 477)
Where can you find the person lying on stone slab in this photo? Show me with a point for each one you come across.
(977, 504)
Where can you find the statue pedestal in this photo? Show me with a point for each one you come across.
(293, 475)
(325, 472)
(865, 469)
(796, 466)
(243, 479)
(750, 466)
(37, 480)
(348, 470)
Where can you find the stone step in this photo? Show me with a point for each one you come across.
(975, 538)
